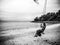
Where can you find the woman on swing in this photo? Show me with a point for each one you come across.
(38, 32)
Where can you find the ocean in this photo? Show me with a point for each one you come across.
(18, 25)
(14, 28)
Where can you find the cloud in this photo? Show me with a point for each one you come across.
(25, 9)
(58, 2)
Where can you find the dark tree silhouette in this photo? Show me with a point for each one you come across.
(36, 19)
(49, 17)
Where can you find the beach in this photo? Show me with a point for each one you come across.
(14, 33)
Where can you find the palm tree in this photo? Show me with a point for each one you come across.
(36, 1)
(45, 4)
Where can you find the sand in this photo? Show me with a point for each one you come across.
(26, 36)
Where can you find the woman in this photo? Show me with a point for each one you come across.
(38, 32)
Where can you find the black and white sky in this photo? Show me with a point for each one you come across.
(25, 10)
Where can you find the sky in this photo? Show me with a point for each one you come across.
(25, 10)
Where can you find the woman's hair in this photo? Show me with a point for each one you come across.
(43, 26)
